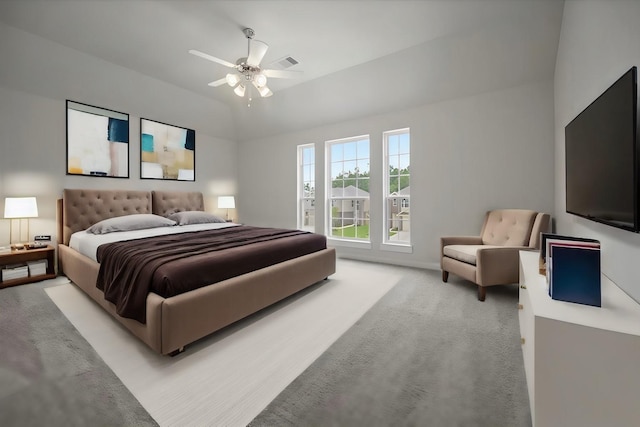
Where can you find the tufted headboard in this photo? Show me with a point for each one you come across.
(165, 203)
(80, 209)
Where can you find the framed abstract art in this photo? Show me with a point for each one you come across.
(97, 141)
(167, 151)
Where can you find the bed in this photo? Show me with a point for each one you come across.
(171, 322)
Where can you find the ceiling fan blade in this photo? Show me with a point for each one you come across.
(282, 74)
(212, 58)
(257, 50)
(219, 82)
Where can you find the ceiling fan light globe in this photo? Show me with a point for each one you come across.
(239, 90)
(265, 92)
(232, 79)
(260, 80)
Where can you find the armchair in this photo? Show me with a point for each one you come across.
(492, 257)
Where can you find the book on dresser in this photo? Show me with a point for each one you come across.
(573, 270)
(544, 245)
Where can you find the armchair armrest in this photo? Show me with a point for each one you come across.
(498, 266)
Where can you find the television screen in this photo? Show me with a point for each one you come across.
(601, 157)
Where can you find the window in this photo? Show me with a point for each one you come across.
(397, 216)
(306, 187)
(348, 188)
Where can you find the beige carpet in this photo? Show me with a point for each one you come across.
(230, 377)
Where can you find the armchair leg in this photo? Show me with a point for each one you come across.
(445, 276)
(482, 293)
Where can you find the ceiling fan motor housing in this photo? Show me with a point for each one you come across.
(249, 33)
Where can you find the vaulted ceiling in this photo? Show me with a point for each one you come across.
(358, 58)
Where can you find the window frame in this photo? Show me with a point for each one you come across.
(392, 200)
(301, 199)
(329, 199)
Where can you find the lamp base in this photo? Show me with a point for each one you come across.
(21, 237)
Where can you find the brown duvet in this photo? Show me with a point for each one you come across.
(177, 263)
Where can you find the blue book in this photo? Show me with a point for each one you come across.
(552, 236)
(575, 275)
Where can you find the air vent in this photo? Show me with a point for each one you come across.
(286, 62)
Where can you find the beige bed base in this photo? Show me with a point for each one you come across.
(174, 322)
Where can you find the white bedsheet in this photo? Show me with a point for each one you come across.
(87, 243)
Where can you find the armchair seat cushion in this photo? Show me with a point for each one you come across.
(465, 253)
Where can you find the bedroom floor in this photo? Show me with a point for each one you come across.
(412, 357)
(229, 377)
(49, 374)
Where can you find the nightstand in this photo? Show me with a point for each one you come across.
(23, 256)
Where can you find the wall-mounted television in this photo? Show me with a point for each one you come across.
(601, 155)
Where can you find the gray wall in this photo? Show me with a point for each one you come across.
(488, 148)
(600, 41)
(469, 155)
(37, 76)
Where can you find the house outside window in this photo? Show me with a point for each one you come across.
(306, 187)
(348, 188)
(397, 214)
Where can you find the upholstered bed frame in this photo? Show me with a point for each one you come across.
(172, 323)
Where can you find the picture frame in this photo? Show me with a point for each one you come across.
(97, 141)
(167, 152)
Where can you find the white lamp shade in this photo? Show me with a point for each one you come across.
(226, 202)
(232, 79)
(20, 207)
(239, 90)
(259, 80)
(265, 92)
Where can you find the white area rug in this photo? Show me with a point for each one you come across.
(228, 378)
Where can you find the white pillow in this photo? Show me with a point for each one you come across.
(194, 217)
(130, 222)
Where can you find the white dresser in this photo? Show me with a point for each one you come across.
(582, 363)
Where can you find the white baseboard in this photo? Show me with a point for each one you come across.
(380, 260)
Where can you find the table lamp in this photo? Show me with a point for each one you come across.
(20, 208)
(226, 202)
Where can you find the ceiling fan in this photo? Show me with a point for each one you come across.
(248, 70)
